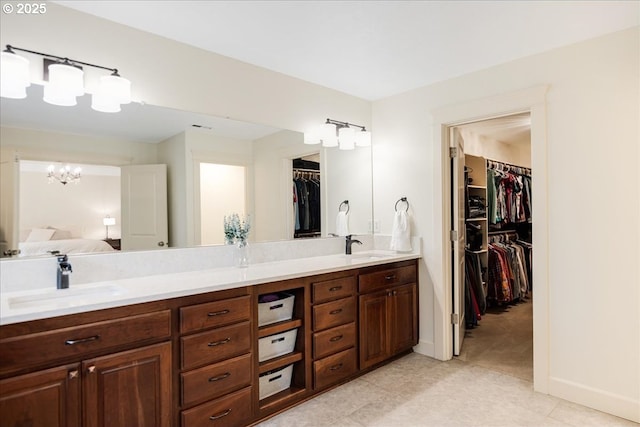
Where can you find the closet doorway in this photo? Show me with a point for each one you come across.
(491, 210)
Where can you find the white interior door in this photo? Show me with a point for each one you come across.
(458, 222)
(9, 185)
(144, 207)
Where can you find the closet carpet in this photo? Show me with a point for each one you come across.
(503, 341)
(486, 386)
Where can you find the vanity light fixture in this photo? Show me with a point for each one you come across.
(65, 175)
(65, 81)
(334, 133)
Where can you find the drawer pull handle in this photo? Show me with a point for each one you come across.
(335, 288)
(220, 377)
(336, 367)
(217, 313)
(275, 307)
(224, 341)
(390, 277)
(81, 340)
(277, 340)
(217, 417)
(336, 311)
(336, 338)
(277, 377)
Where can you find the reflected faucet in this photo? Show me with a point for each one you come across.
(64, 271)
(350, 242)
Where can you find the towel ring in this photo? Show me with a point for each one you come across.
(402, 199)
(345, 203)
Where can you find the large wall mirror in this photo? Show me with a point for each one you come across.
(145, 159)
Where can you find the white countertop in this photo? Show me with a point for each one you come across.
(21, 306)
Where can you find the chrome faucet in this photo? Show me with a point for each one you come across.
(350, 242)
(64, 271)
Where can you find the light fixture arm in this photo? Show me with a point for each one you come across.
(11, 49)
(340, 124)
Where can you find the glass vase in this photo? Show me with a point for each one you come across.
(242, 253)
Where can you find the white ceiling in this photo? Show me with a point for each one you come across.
(372, 49)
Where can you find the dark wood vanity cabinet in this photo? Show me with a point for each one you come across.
(216, 362)
(334, 328)
(101, 387)
(388, 312)
(194, 360)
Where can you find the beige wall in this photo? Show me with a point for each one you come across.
(591, 155)
(78, 208)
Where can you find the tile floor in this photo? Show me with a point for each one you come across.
(485, 386)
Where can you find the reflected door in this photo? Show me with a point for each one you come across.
(144, 207)
(9, 177)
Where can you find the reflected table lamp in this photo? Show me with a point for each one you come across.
(107, 221)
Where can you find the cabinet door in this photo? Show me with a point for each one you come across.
(403, 318)
(374, 328)
(48, 398)
(131, 388)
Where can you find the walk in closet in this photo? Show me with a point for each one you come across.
(498, 224)
(306, 198)
(498, 221)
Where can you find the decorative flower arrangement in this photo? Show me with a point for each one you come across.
(236, 229)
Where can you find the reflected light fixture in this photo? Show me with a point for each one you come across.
(65, 81)
(108, 221)
(334, 133)
(64, 175)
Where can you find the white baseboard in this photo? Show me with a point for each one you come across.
(426, 348)
(601, 400)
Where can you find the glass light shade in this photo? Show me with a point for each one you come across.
(347, 138)
(14, 76)
(116, 87)
(104, 103)
(330, 141)
(311, 138)
(327, 131)
(67, 78)
(363, 138)
(107, 220)
(56, 96)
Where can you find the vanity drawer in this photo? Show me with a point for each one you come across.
(332, 369)
(215, 345)
(382, 279)
(333, 289)
(215, 380)
(213, 314)
(333, 340)
(231, 410)
(334, 313)
(75, 342)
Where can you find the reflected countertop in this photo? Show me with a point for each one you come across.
(21, 306)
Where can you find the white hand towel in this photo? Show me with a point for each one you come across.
(401, 233)
(342, 224)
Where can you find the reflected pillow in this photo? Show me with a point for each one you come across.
(61, 235)
(40, 235)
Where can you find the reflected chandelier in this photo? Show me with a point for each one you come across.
(334, 133)
(65, 83)
(65, 175)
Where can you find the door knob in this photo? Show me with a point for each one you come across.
(161, 243)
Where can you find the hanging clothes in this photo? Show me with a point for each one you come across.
(508, 277)
(306, 203)
(508, 194)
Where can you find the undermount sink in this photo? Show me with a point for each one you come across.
(372, 256)
(65, 297)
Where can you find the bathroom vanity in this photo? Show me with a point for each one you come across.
(191, 352)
